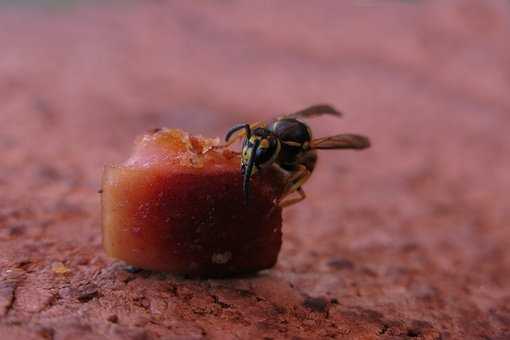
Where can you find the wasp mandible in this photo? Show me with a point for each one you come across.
(287, 143)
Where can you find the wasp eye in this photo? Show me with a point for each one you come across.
(260, 153)
(265, 156)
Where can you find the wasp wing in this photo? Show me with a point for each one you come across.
(315, 110)
(342, 141)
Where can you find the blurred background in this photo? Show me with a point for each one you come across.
(427, 81)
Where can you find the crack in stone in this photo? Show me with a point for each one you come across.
(217, 301)
(7, 297)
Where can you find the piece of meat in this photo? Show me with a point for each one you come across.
(177, 205)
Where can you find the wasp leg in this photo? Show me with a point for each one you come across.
(294, 183)
(292, 201)
(241, 134)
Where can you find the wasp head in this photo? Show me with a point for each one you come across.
(260, 149)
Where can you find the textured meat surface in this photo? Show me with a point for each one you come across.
(176, 205)
(408, 239)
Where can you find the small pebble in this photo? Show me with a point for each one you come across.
(341, 264)
(87, 293)
(113, 318)
(316, 304)
(60, 268)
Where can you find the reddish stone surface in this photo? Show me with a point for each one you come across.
(406, 240)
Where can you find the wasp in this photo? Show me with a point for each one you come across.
(287, 142)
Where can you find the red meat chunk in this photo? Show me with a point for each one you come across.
(177, 205)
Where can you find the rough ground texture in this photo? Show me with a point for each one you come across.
(407, 240)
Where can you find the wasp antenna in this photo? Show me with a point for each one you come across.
(236, 128)
(249, 170)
